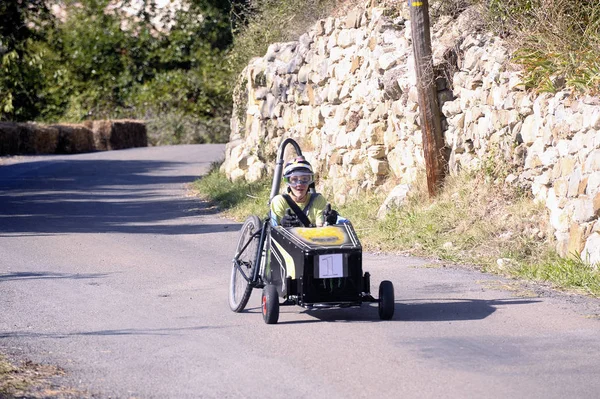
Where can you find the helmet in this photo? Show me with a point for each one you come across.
(297, 167)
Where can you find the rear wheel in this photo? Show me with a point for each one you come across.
(244, 262)
(386, 300)
(270, 304)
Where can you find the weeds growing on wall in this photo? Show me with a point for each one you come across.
(556, 41)
(272, 21)
(473, 220)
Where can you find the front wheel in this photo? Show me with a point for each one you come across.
(244, 264)
(270, 304)
(386, 300)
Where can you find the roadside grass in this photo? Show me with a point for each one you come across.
(475, 220)
(237, 200)
(10, 383)
(32, 380)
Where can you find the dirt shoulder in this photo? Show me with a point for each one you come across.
(25, 379)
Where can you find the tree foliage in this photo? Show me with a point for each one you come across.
(21, 57)
(105, 59)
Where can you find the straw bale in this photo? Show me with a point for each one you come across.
(38, 139)
(9, 138)
(101, 134)
(128, 134)
(74, 138)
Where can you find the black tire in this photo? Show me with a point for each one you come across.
(270, 304)
(386, 300)
(240, 289)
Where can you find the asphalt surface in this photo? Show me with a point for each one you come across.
(112, 271)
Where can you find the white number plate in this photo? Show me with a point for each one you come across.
(331, 266)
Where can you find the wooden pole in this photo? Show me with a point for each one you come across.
(431, 126)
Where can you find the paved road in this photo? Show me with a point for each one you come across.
(109, 270)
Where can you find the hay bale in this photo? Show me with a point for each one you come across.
(9, 138)
(74, 139)
(128, 134)
(101, 135)
(38, 139)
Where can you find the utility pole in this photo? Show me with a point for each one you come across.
(431, 126)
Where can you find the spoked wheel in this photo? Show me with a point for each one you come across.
(240, 288)
(386, 300)
(270, 304)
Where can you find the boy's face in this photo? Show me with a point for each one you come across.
(299, 184)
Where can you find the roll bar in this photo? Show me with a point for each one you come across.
(279, 165)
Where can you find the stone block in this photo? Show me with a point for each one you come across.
(530, 129)
(559, 219)
(346, 38)
(451, 108)
(592, 163)
(576, 239)
(593, 185)
(591, 251)
(390, 137)
(304, 73)
(333, 93)
(566, 166)
(395, 199)
(379, 167)
(374, 133)
(353, 19)
(396, 162)
(355, 63)
(357, 173)
(532, 161)
(388, 60)
(582, 185)
(583, 209)
(350, 157)
(376, 151)
(549, 157)
(256, 171)
(562, 243)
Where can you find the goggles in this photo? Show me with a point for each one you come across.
(298, 180)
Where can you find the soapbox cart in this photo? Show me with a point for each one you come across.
(313, 267)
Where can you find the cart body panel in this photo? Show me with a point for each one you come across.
(320, 265)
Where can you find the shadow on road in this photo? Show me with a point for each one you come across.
(121, 332)
(99, 196)
(48, 276)
(453, 309)
(410, 310)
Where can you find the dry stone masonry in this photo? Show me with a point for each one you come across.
(346, 91)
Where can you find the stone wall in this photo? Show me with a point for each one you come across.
(346, 91)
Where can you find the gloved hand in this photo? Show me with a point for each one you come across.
(290, 219)
(330, 215)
